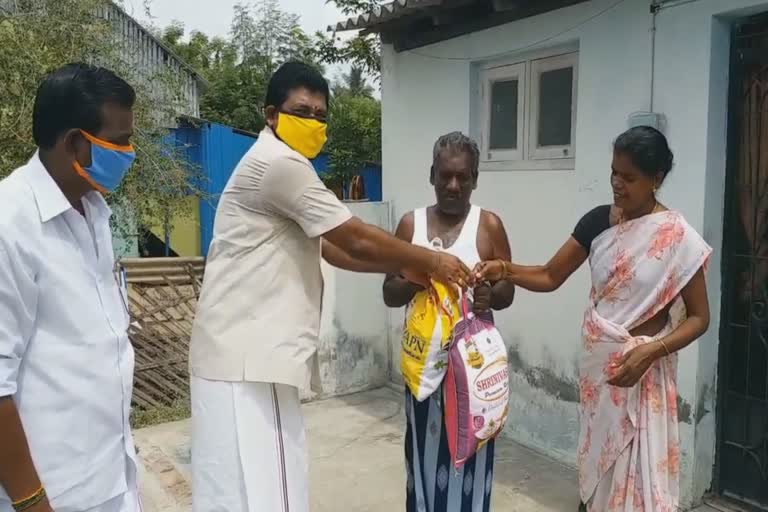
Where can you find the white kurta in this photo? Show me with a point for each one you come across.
(65, 357)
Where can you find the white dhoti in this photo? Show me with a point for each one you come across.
(248, 448)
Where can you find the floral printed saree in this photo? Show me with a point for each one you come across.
(629, 455)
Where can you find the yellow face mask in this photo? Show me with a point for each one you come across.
(305, 136)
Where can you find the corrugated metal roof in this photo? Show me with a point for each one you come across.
(384, 13)
(410, 24)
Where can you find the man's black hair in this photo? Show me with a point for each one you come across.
(73, 97)
(459, 143)
(291, 76)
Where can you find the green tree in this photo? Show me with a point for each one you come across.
(47, 34)
(355, 116)
(197, 52)
(238, 69)
(262, 37)
(354, 136)
(353, 84)
(263, 32)
(362, 50)
(235, 85)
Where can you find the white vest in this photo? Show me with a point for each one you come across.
(465, 246)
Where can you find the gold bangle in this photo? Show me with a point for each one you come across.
(37, 491)
(666, 348)
(30, 501)
(504, 270)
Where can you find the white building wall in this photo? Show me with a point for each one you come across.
(692, 91)
(424, 97)
(431, 91)
(354, 348)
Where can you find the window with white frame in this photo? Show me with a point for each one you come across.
(528, 113)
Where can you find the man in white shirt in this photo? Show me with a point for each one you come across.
(66, 365)
(255, 334)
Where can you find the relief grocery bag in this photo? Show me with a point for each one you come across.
(476, 387)
(429, 322)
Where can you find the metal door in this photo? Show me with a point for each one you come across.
(743, 397)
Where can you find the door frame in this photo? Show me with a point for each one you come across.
(736, 76)
(731, 168)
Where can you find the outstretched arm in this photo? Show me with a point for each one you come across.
(503, 291)
(398, 289)
(497, 295)
(340, 259)
(540, 278)
(293, 190)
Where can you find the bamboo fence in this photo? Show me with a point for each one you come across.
(162, 295)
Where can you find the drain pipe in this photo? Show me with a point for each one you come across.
(655, 8)
(651, 117)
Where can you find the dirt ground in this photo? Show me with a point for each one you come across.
(356, 457)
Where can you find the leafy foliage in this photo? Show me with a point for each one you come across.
(199, 52)
(354, 129)
(262, 38)
(354, 84)
(263, 31)
(362, 51)
(39, 36)
(238, 69)
(353, 7)
(33, 44)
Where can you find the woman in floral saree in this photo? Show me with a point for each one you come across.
(648, 301)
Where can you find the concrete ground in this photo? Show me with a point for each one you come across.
(356, 458)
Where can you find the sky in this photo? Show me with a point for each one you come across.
(214, 17)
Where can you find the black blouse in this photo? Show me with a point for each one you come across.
(591, 225)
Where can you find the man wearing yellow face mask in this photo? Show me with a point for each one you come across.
(255, 335)
(66, 364)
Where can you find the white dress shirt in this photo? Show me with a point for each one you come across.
(65, 357)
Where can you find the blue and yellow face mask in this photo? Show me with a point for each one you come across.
(109, 164)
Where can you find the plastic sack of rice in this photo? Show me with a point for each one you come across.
(476, 386)
(429, 322)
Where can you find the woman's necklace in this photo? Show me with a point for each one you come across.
(655, 209)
